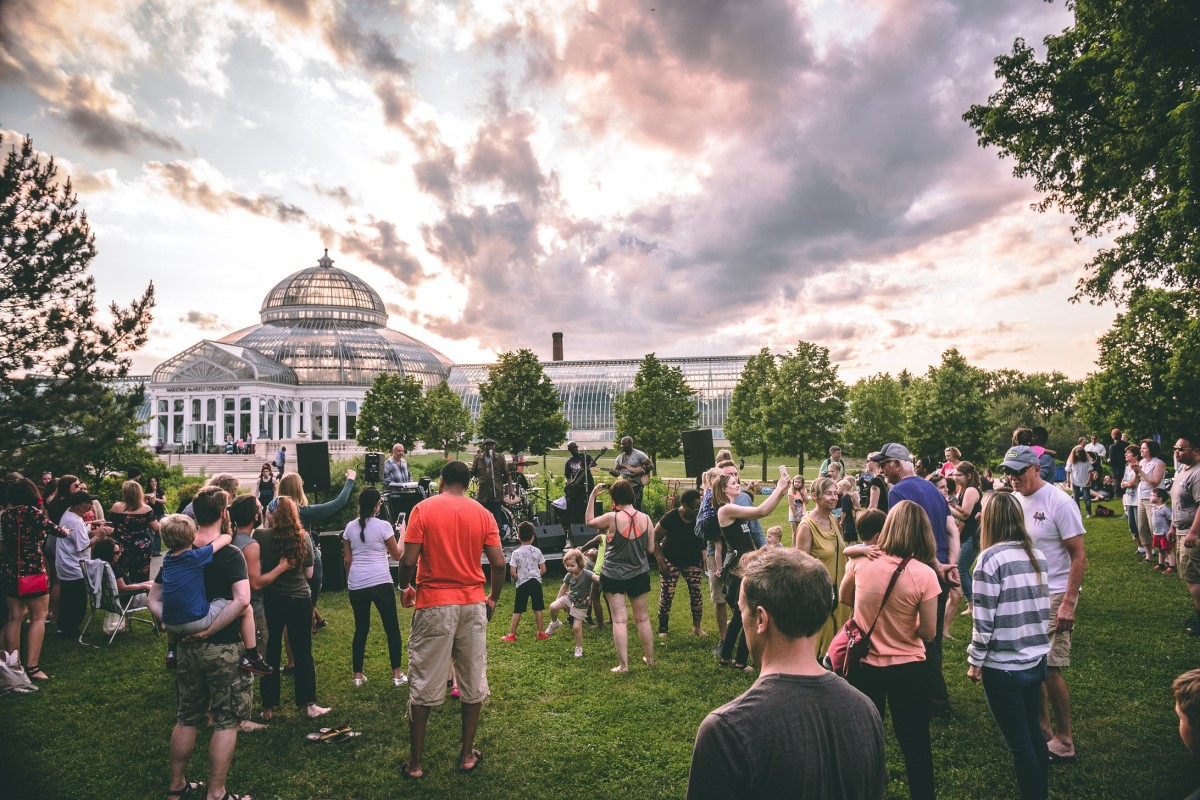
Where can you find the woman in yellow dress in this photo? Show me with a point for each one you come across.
(820, 535)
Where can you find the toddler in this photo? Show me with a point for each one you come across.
(869, 523)
(1160, 523)
(185, 609)
(527, 566)
(574, 596)
(775, 536)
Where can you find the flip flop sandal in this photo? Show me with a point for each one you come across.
(325, 734)
(408, 776)
(188, 788)
(478, 760)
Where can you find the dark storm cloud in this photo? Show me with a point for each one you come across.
(181, 180)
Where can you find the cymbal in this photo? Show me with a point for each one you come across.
(535, 489)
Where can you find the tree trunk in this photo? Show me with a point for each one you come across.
(764, 463)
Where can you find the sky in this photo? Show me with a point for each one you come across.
(684, 177)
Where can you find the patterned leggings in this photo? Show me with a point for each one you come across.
(669, 577)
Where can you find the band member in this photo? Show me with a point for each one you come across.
(634, 466)
(578, 472)
(395, 469)
(515, 487)
(490, 470)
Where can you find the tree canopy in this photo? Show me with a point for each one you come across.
(392, 411)
(808, 404)
(1108, 126)
(59, 406)
(519, 406)
(748, 424)
(947, 407)
(874, 414)
(448, 423)
(656, 409)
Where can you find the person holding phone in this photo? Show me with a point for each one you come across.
(367, 543)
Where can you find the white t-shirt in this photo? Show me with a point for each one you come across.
(71, 550)
(527, 559)
(1097, 449)
(1130, 496)
(1052, 517)
(1149, 465)
(369, 559)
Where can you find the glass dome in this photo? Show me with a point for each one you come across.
(328, 327)
(323, 292)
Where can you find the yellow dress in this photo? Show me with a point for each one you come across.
(827, 547)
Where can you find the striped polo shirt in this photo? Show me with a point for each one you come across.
(1011, 609)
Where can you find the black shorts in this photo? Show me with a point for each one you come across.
(636, 586)
(530, 590)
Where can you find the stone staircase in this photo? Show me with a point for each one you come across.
(245, 468)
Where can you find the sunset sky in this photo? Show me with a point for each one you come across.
(689, 177)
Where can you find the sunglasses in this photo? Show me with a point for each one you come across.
(1014, 472)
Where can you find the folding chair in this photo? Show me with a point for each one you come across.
(103, 594)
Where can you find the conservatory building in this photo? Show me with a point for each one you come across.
(322, 337)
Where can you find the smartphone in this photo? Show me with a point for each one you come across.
(401, 518)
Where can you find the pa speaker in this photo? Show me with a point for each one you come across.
(550, 538)
(581, 533)
(698, 455)
(312, 462)
(371, 468)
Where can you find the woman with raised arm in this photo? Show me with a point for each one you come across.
(736, 540)
(626, 570)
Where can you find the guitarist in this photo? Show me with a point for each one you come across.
(634, 466)
(578, 472)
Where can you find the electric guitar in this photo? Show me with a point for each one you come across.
(643, 479)
(578, 478)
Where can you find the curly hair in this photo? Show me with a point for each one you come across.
(291, 540)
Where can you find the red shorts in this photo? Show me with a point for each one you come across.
(1163, 542)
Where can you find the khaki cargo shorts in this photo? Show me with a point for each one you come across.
(445, 635)
(716, 586)
(1186, 558)
(1060, 641)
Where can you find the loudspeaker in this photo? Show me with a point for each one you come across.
(312, 462)
(371, 468)
(698, 456)
(333, 567)
(550, 538)
(581, 533)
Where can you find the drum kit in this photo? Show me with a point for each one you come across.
(519, 505)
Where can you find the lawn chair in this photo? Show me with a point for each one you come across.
(102, 591)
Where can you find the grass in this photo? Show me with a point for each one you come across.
(557, 725)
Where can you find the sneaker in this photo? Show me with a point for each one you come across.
(579, 652)
(255, 666)
(170, 659)
(508, 637)
(552, 627)
(543, 635)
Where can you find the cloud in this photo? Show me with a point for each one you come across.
(383, 247)
(339, 193)
(370, 50)
(185, 182)
(204, 321)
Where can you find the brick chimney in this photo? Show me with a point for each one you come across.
(558, 347)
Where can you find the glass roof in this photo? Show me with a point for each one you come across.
(323, 292)
(587, 388)
(342, 352)
(208, 362)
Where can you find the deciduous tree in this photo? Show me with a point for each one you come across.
(808, 404)
(519, 406)
(393, 411)
(448, 423)
(748, 422)
(656, 409)
(947, 407)
(874, 414)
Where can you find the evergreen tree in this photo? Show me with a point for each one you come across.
(519, 406)
(748, 422)
(448, 423)
(58, 362)
(393, 411)
(656, 409)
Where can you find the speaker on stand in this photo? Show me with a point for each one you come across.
(698, 456)
(371, 467)
(312, 462)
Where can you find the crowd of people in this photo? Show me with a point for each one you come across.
(896, 550)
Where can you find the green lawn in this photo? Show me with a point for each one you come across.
(557, 726)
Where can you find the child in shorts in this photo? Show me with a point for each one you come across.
(574, 596)
(1160, 524)
(186, 610)
(527, 566)
(775, 536)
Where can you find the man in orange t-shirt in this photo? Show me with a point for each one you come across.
(445, 535)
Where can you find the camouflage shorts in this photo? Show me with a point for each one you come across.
(207, 678)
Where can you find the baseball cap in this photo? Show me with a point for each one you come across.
(1019, 457)
(79, 498)
(889, 451)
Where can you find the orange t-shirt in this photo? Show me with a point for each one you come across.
(895, 640)
(452, 532)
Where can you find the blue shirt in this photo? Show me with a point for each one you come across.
(928, 497)
(184, 599)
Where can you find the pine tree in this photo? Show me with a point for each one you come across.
(58, 362)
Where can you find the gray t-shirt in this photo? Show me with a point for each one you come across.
(241, 541)
(815, 737)
(291, 583)
(1185, 497)
(635, 459)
